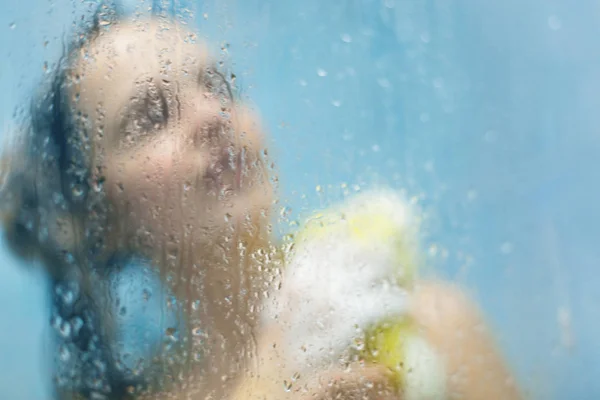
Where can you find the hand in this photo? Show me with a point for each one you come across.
(344, 276)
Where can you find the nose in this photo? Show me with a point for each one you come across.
(232, 123)
(212, 127)
(230, 135)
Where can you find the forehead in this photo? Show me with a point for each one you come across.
(107, 68)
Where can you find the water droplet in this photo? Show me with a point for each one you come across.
(170, 332)
(336, 103)
(429, 166)
(205, 15)
(98, 184)
(384, 83)
(346, 38)
(321, 72)
(302, 82)
(319, 188)
(64, 329)
(359, 344)
(433, 250)
(285, 212)
(63, 353)
(196, 305)
(375, 148)
(490, 136)
(191, 38)
(172, 300)
(472, 195)
(12, 25)
(197, 331)
(554, 22)
(67, 294)
(76, 324)
(506, 248)
(287, 386)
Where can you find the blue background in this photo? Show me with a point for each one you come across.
(481, 110)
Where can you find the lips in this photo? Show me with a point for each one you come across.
(230, 140)
(224, 173)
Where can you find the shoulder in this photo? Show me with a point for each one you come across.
(452, 323)
(442, 303)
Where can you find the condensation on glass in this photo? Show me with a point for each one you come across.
(278, 201)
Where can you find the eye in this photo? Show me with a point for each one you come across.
(155, 105)
(214, 81)
(145, 113)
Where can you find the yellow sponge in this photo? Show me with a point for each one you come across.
(379, 221)
(351, 271)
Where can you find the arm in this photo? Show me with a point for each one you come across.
(273, 379)
(455, 328)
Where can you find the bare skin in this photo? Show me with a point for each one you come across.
(446, 318)
(454, 326)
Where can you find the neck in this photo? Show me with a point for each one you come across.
(220, 287)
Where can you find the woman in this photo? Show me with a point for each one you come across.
(137, 149)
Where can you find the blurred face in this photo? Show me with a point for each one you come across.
(178, 159)
(181, 168)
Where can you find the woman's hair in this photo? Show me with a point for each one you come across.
(50, 212)
(46, 168)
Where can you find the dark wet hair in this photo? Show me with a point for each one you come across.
(47, 174)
